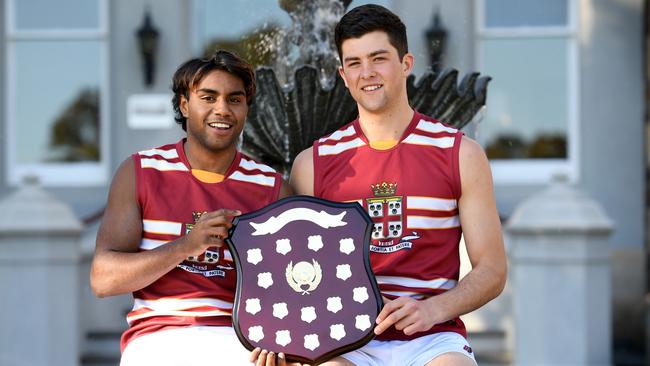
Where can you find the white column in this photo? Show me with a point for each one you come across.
(39, 263)
(561, 279)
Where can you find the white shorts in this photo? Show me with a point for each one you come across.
(416, 352)
(189, 346)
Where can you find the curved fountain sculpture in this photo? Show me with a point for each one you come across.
(289, 115)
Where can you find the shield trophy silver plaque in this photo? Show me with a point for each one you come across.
(304, 282)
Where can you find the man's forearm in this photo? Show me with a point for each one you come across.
(117, 273)
(482, 284)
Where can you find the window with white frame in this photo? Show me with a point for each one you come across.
(530, 49)
(56, 91)
(249, 28)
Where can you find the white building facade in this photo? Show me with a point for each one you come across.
(567, 96)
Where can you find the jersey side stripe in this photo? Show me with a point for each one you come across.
(441, 142)
(340, 147)
(434, 127)
(180, 304)
(337, 135)
(411, 294)
(161, 227)
(162, 165)
(167, 154)
(148, 314)
(438, 283)
(251, 165)
(430, 203)
(178, 307)
(260, 179)
(424, 222)
(149, 244)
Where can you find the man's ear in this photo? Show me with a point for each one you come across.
(408, 62)
(183, 106)
(343, 76)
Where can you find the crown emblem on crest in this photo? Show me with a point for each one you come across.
(383, 189)
(197, 215)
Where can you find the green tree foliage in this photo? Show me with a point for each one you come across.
(75, 133)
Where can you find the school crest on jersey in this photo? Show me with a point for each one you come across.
(304, 282)
(196, 215)
(386, 210)
(206, 263)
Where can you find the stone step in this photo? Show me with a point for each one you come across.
(101, 349)
(490, 348)
(91, 360)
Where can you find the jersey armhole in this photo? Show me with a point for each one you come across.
(455, 164)
(317, 180)
(276, 188)
(139, 188)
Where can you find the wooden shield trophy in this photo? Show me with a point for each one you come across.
(304, 282)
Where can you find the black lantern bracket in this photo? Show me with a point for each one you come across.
(148, 36)
(436, 36)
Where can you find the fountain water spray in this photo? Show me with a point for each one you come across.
(302, 98)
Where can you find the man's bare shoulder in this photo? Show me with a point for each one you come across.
(125, 174)
(470, 150)
(472, 158)
(302, 172)
(304, 157)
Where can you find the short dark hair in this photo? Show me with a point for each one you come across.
(369, 18)
(191, 72)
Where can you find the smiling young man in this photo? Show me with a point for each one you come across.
(424, 185)
(169, 210)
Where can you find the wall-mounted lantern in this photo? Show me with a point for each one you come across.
(436, 36)
(148, 40)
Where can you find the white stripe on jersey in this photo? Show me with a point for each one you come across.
(149, 244)
(337, 135)
(167, 154)
(434, 127)
(438, 283)
(441, 142)
(410, 294)
(162, 165)
(178, 307)
(425, 222)
(340, 147)
(131, 318)
(430, 203)
(257, 178)
(251, 165)
(162, 227)
(173, 304)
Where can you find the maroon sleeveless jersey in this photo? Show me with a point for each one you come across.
(200, 290)
(411, 193)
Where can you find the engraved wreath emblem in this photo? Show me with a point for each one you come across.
(304, 274)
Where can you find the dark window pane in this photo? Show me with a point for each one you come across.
(527, 108)
(56, 116)
(526, 13)
(48, 14)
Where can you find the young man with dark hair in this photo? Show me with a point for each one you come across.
(424, 184)
(169, 210)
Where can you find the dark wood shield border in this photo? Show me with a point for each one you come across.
(366, 259)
